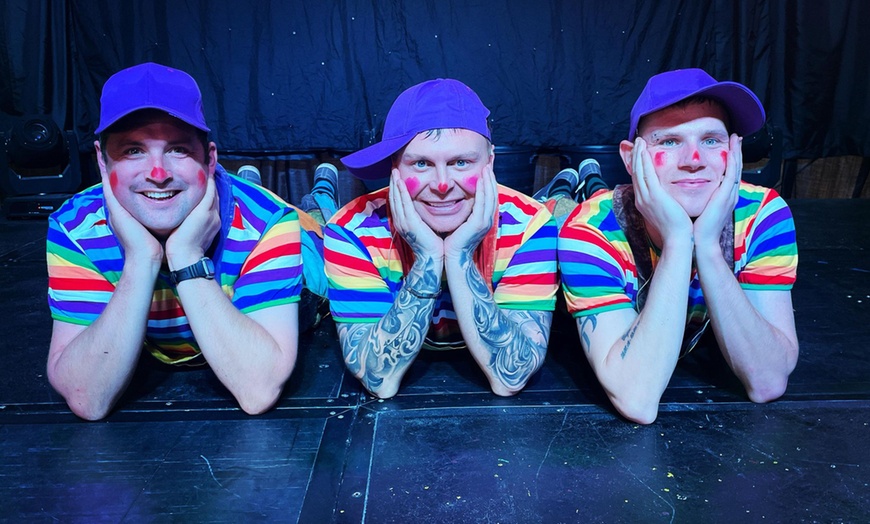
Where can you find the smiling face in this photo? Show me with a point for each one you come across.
(158, 169)
(688, 145)
(441, 170)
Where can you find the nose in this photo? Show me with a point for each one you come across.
(441, 182)
(690, 157)
(158, 173)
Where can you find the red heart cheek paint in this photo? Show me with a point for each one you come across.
(470, 183)
(413, 184)
(200, 177)
(113, 180)
(660, 159)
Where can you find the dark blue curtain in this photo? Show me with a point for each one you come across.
(287, 76)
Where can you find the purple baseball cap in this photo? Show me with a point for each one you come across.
(151, 86)
(665, 89)
(442, 103)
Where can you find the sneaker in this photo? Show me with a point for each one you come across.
(325, 189)
(251, 174)
(565, 182)
(591, 182)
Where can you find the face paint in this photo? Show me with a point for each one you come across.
(660, 159)
(200, 177)
(442, 187)
(696, 157)
(158, 173)
(724, 156)
(413, 184)
(470, 183)
(113, 180)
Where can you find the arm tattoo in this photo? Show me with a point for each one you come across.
(375, 352)
(587, 326)
(627, 338)
(517, 340)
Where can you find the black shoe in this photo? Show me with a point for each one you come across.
(590, 180)
(565, 181)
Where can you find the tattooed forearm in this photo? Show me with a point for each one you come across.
(516, 340)
(586, 327)
(382, 352)
(627, 338)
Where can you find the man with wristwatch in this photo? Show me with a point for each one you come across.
(169, 253)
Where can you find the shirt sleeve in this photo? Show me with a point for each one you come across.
(593, 267)
(77, 291)
(530, 280)
(769, 258)
(271, 275)
(358, 291)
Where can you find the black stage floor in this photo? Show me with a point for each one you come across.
(446, 449)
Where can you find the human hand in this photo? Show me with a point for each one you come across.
(137, 242)
(720, 209)
(659, 208)
(192, 238)
(470, 234)
(408, 223)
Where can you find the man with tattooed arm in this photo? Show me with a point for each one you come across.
(443, 258)
(648, 266)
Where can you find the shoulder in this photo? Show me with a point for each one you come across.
(367, 212)
(518, 210)
(82, 212)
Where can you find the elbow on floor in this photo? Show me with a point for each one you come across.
(636, 411)
(767, 392)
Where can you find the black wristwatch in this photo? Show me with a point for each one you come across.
(204, 268)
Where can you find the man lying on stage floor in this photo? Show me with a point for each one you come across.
(169, 253)
(443, 258)
(686, 227)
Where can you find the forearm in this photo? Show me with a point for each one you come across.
(248, 360)
(509, 346)
(760, 354)
(92, 368)
(379, 354)
(638, 365)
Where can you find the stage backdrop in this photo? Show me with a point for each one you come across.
(287, 76)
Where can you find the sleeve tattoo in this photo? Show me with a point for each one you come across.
(374, 352)
(517, 339)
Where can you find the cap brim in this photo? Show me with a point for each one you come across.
(374, 162)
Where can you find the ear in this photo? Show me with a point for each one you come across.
(101, 161)
(625, 149)
(212, 158)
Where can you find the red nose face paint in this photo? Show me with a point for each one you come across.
(442, 187)
(660, 159)
(158, 173)
(696, 157)
(413, 184)
(113, 180)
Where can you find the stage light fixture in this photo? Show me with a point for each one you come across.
(39, 167)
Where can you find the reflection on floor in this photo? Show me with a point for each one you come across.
(445, 449)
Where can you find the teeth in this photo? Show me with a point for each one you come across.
(159, 195)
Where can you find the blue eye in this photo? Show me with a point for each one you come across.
(420, 164)
(461, 163)
(668, 142)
